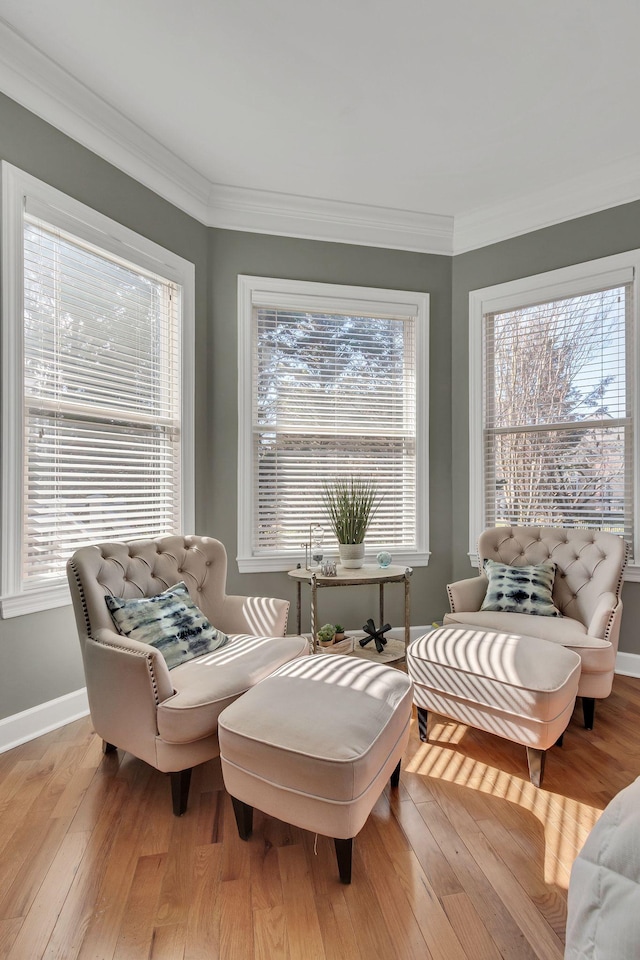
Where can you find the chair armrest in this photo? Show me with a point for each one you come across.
(606, 607)
(256, 616)
(125, 682)
(466, 596)
(157, 666)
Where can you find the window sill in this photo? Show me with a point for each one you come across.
(35, 600)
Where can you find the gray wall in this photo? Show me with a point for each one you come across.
(587, 238)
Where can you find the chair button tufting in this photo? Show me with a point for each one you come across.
(208, 563)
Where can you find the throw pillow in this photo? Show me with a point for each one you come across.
(520, 589)
(171, 622)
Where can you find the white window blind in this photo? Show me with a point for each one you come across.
(334, 396)
(558, 406)
(101, 380)
(333, 384)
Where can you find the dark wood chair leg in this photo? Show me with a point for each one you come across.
(344, 852)
(108, 747)
(180, 782)
(588, 711)
(395, 776)
(423, 716)
(535, 759)
(244, 818)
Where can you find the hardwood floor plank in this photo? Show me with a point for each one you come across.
(203, 922)
(302, 924)
(498, 922)
(541, 937)
(270, 941)
(9, 930)
(339, 937)
(168, 942)
(236, 919)
(82, 900)
(550, 901)
(35, 932)
(469, 928)
(135, 936)
(38, 852)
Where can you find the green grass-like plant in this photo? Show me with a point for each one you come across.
(351, 506)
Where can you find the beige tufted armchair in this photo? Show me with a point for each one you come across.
(587, 588)
(170, 718)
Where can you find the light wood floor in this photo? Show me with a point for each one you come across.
(466, 860)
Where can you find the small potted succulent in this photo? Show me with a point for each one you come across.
(339, 634)
(326, 634)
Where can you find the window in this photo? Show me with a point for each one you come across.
(332, 383)
(553, 375)
(97, 440)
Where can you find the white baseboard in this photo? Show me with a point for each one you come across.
(43, 718)
(628, 664)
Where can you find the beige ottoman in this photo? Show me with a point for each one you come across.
(314, 743)
(520, 688)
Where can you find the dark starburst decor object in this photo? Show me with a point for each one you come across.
(375, 634)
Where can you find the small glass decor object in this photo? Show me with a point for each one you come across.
(328, 568)
(317, 540)
(384, 558)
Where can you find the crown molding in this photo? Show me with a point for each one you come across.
(260, 211)
(609, 186)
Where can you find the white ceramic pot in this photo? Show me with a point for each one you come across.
(351, 555)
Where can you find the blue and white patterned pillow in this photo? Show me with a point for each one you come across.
(520, 589)
(171, 622)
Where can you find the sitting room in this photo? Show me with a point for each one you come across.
(320, 481)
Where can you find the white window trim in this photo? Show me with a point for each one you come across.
(94, 227)
(338, 298)
(579, 279)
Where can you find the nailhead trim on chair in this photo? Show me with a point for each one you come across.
(82, 597)
(451, 603)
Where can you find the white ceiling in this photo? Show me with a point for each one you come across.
(463, 118)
